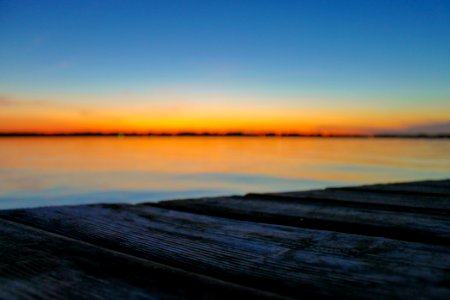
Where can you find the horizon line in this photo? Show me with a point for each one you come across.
(219, 134)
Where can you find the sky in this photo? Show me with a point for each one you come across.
(282, 66)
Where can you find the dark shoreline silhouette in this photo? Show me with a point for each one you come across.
(226, 134)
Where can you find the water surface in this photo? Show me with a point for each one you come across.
(77, 170)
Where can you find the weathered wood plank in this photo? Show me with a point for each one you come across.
(36, 264)
(439, 183)
(384, 199)
(405, 188)
(290, 261)
(409, 226)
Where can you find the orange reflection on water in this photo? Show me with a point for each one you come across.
(56, 166)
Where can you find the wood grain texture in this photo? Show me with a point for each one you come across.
(438, 183)
(383, 241)
(378, 221)
(406, 188)
(394, 200)
(36, 264)
(286, 260)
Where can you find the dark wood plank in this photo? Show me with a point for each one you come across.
(36, 264)
(405, 188)
(439, 183)
(287, 260)
(409, 226)
(428, 204)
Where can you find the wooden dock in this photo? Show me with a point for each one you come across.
(382, 241)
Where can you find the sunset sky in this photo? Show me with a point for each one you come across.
(283, 66)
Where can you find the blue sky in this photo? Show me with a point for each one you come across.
(374, 56)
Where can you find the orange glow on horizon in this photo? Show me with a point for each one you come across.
(199, 114)
(171, 126)
(198, 125)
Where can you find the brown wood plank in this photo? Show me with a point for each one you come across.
(36, 264)
(409, 226)
(429, 204)
(287, 260)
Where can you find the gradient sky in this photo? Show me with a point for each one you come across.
(328, 66)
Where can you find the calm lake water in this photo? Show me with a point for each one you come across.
(56, 171)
